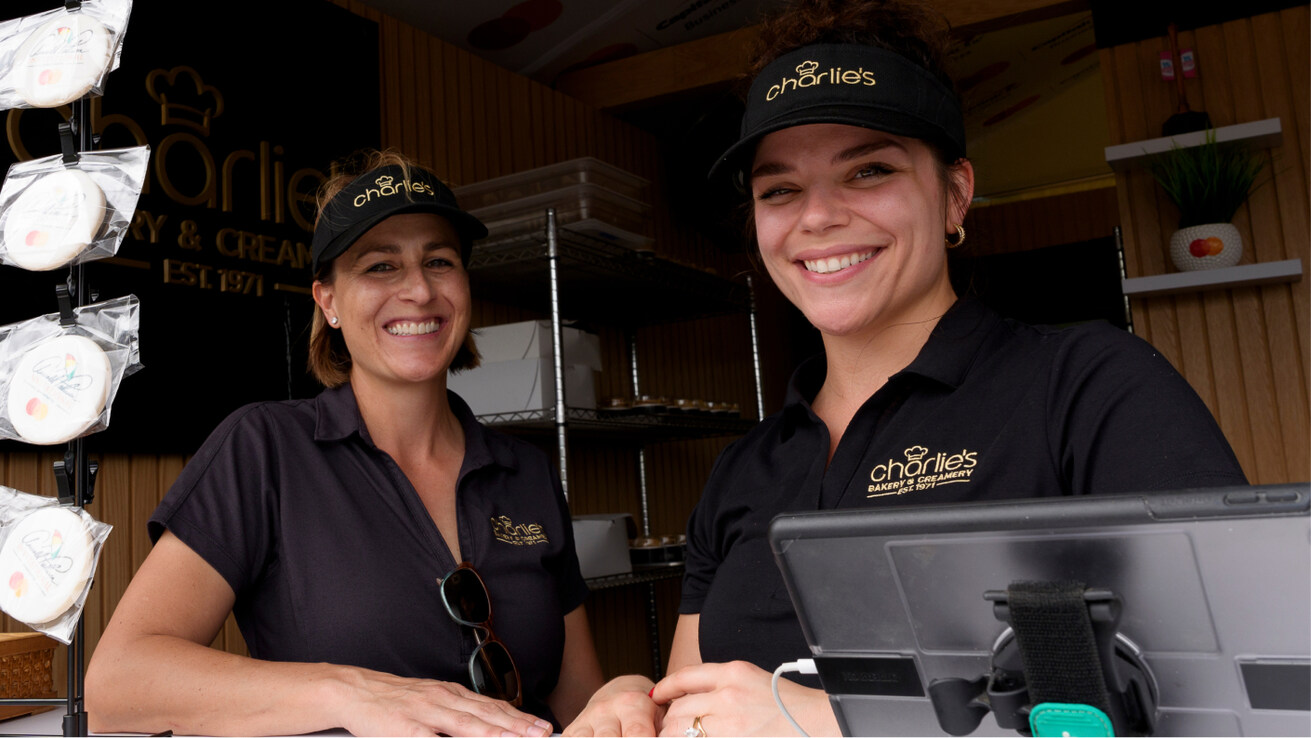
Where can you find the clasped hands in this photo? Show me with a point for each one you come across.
(730, 699)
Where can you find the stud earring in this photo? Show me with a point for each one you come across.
(960, 238)
(334, 320)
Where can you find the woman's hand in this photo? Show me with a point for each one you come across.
(735, 699)
(381, 704)
(623, 707)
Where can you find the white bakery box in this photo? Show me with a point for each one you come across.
(602, 543)
(517, 372)
(589, 196)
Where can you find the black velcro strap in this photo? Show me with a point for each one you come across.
(1055, 637)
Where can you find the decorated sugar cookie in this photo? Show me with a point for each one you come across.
(53, 220)
(58, 389)
(62, 60)
(44, 564)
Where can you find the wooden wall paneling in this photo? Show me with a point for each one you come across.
(446, 120)
(1230, 408)
(410, 121)
(582, 133)
(1213, 92)
(561, 126)
(499, 145)
(1244, 350)
(1259, 386)
(518, 105)
(113, 505)
(421, 69)
(1006, 227)
(435, 118)
(511, 127)
(22, 472)
(390, 88)
(1194, 359)
(143, 494)
(460, 121)
(1295, 25)
(1284, 92)
(542, 128)
(476, 129)
(1261, 218)
(583, 122)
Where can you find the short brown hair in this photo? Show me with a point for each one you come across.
(329, 358)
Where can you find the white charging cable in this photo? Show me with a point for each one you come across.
(803, 666)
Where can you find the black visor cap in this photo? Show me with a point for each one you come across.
(379, 194)
(848, 84)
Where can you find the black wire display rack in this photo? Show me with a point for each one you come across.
(75, 473)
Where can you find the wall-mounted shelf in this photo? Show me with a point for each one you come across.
(1245, 275)
(1266, 132)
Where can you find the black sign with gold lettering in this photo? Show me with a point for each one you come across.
(243, 104)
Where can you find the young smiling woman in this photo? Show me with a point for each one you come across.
(850, 224)
(859, 185)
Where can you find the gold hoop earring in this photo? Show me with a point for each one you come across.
(960, 238)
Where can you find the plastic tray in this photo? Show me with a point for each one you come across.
(585, 170)
(585, 208)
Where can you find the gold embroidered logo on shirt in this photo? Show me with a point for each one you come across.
(517, 534)
(921, 470)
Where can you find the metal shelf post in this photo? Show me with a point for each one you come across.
(557, 344)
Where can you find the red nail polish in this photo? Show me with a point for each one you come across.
(651, 694)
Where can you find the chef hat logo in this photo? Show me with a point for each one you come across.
(184, 98)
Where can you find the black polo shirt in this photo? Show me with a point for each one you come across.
(334, 558)
(989, 409)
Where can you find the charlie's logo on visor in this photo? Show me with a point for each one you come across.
(809, 75)
(921, 470)
(387, 188)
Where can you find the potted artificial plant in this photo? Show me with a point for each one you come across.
(1208, 183)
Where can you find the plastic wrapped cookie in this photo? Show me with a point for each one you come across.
(59, 389)
(62, 60)
(45, 563)
(54, 219)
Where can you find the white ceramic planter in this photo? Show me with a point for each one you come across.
(1207, 246)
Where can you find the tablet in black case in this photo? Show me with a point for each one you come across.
(1215, 586)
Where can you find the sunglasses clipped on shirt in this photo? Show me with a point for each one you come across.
(491, 669)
